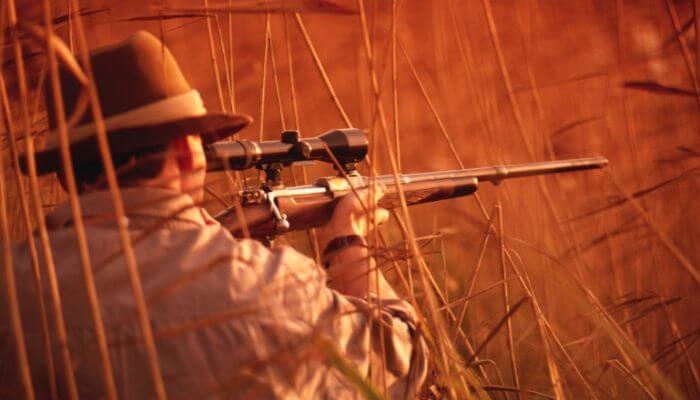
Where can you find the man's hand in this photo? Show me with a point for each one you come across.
(350, 218)
(352, 269)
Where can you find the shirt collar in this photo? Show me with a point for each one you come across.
(144, 206)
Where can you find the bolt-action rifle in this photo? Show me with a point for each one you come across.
(273, 208)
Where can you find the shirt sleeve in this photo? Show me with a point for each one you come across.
(395, 350)
(385, 346)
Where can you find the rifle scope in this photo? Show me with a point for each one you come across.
(348, 146)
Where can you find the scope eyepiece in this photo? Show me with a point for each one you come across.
(348, 146)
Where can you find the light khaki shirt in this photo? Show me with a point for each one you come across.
(232, 319)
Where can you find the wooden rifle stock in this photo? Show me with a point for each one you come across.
(270, 212)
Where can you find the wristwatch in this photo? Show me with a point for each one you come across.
(340, 243)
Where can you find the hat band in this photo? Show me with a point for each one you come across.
(186, 105)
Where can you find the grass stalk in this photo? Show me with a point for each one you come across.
(228, 69)
(321, 70)
(71, 387)
(374, 239)
(119, 211)
(433, 110)
(273, 63)
(263, 80)
(682, 259)
(214, 58)
(231, 70)
(696, 9)
(472, 282)
(312, 236)
(617, 364)
(12, 298)
(685, 49)
(684, 347)
(78, 223)
(506, 302)
(395, 84)
(34, 255)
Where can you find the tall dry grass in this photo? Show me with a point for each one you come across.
(577, 286)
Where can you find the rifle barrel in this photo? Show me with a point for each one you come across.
(500, 172)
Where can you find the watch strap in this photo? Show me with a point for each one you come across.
(340, 243)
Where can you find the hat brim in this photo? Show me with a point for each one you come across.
(211, 127)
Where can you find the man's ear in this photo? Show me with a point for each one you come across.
(183, 153)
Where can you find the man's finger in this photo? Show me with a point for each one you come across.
(363, 197)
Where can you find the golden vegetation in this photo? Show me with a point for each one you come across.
(576, 286)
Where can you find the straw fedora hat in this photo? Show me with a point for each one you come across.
(145, 101)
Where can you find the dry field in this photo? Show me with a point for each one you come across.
(573, 286)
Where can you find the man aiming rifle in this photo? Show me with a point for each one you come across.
(231, 318)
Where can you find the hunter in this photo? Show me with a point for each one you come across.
(231, 318)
